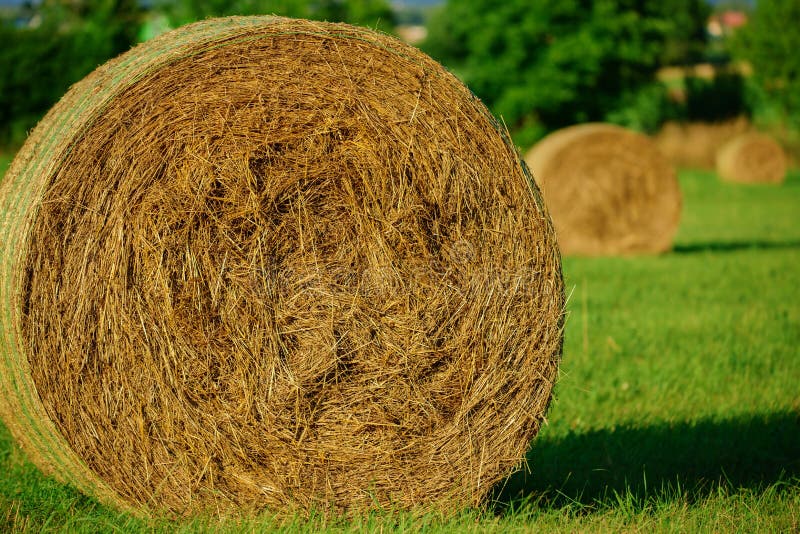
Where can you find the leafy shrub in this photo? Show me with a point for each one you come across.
(646, 109)
(770, 43)
(722, 97)
(371, 13)
(40, 62)
(559, 62)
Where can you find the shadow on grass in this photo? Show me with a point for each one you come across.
(734, 246)
(696, 457)
(583, 467)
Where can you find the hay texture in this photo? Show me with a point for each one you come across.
(752, 158)
(267, 263)
(694, 145)
(608, 190)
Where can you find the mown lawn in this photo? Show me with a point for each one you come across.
(678, 407)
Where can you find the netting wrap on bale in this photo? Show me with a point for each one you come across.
(608, 190)
(267, 263)
(752, 158)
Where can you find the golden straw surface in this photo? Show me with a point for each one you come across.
(752, 158)
(694, 145)
(608, 190)
(270, 263)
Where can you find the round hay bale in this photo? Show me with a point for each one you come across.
(694, 145)
(752, 158)
(270, 263)
(608, 190)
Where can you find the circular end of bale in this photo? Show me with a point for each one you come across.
(262, 263)
(752, 158)
(608, 190)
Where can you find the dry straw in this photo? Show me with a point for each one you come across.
(695, 145)
(267, 263)
(752, 158)
(608, 190)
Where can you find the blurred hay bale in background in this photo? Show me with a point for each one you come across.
(260, 262)
(752, 158)
(695, 144)
(608, 190)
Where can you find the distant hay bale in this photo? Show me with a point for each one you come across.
(268, 263)
(608, 190)
(694, 145)
(752, 158)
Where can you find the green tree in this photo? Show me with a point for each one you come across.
(556, 62)
(115, 22)
(372, 13)
(184, 11)
(684, 25)
(770, 43)
(61, 43)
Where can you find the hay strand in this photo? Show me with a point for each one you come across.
(268, 263)
(608, 190)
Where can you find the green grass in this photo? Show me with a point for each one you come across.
(678, 406)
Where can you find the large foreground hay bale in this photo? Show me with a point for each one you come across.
(260, 262)
(752, 158)
(608, 190)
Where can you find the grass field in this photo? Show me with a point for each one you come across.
(678, 406)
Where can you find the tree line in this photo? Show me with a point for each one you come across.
(538, 64)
